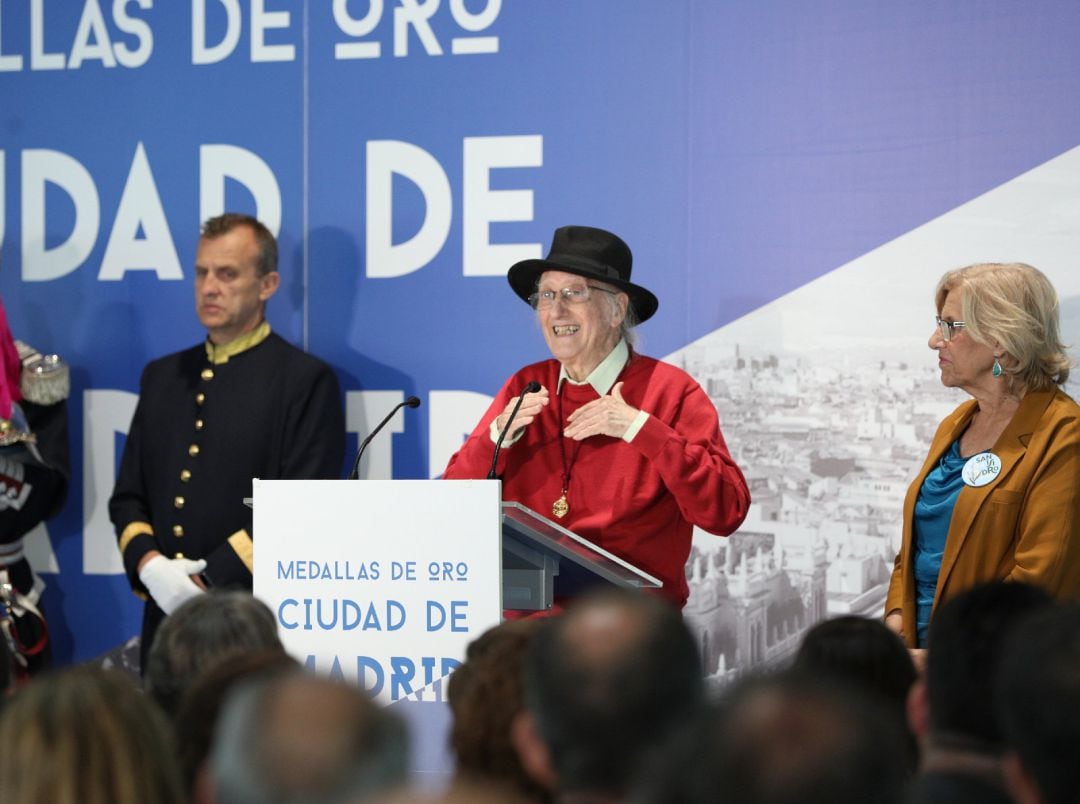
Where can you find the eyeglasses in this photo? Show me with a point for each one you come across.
(948, 328)
(542, 300)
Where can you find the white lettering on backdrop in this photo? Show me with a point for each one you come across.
(140, 238)
(42, 41)
(139, 211)
(482, 205)
(91, 41)
(417, 16)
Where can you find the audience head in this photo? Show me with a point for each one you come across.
(861, 651)
(864, 653)
(299, 739)
(967, 637)
(204, 631)
(86, 736)
(1038, 706)
(485, 695)
(788, 738)
(605, 683)
(198, 710)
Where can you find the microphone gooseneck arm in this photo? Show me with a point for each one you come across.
(411, 402)
(532, 388)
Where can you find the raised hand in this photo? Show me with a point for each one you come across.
(530, 409)
(609, 415)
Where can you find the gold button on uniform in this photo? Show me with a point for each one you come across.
(198, 424)
(178, 530)
(185, 475)
(178, 502)
(200, 398)
(179, 555)
(193, 450)
(207, 374)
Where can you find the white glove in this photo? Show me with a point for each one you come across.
(169, 580)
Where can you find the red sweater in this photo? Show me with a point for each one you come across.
(638, 500)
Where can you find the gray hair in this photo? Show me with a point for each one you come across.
(1015, 305)
(627, 327)
(300, 739)
(200, 634)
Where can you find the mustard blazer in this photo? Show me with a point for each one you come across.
(1025, 526)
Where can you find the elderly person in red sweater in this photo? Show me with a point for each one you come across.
(620, 448)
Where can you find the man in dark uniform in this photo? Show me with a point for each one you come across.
(242, 405)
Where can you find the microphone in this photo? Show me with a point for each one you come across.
(412, 402)
(532, 388)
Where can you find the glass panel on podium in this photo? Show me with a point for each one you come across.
(543, 560)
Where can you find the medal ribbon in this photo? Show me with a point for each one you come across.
(561, 507)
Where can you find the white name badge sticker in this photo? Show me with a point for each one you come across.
(981, 469)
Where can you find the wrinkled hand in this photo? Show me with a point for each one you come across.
(168, 580)
(894, 621)
(609, 415)
(530, 409)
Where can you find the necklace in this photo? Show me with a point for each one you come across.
(561, 507)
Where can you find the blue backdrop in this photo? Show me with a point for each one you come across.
(407, 152)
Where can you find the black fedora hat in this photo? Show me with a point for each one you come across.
(588, 252)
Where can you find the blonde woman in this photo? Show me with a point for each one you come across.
(86, 736)
(999, 494)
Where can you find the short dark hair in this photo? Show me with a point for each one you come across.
(201, 633)
(225, 223)
(864, 653)
(1038, 700)
(784, 738)
(967, 637)
(860, 650)
(604, 698)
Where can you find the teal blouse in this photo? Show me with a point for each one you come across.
(933, 513)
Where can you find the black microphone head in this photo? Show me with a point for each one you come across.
(413, 402)
(532, 388)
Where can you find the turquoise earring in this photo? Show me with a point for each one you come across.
(997, 368)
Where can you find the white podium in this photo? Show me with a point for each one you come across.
(384, 583)
(381, 582)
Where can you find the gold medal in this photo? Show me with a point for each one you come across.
(561, 507)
